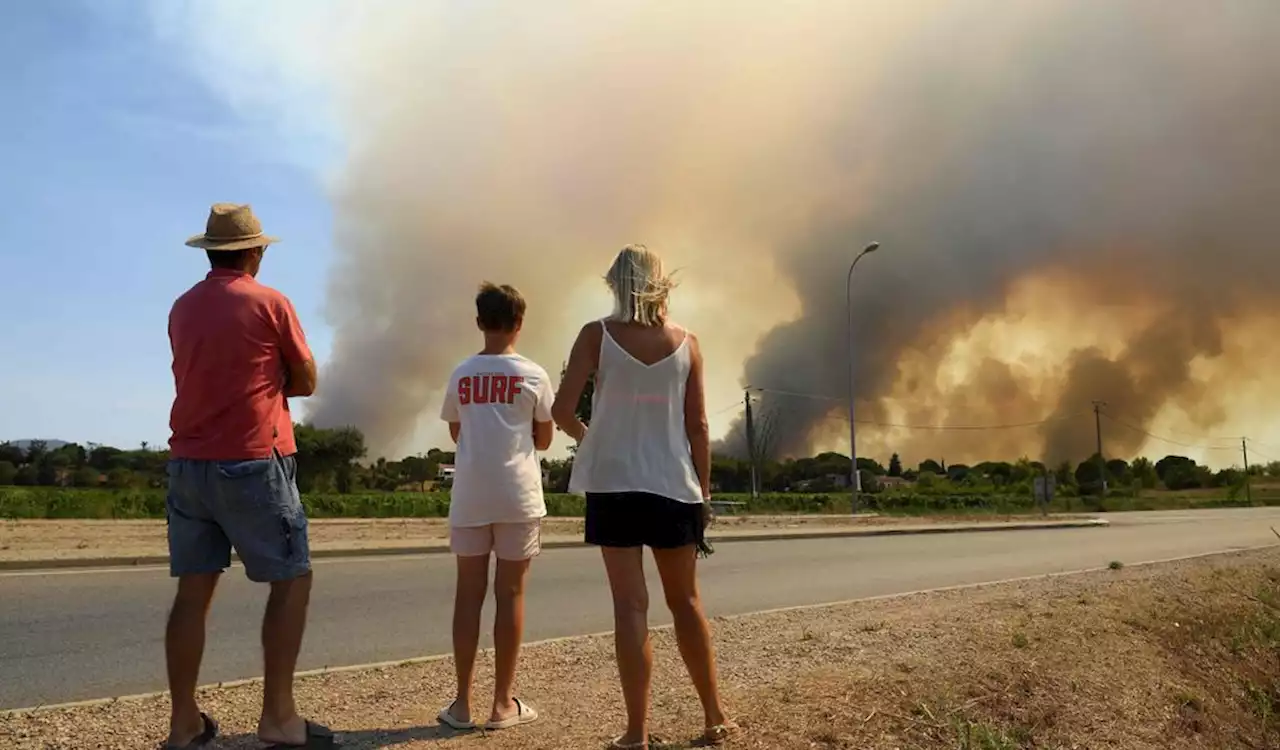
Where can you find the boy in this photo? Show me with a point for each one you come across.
(498, 406)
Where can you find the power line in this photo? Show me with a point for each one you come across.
(1190, 435)
(933, 427)
(1260, 455)
(1171, 441)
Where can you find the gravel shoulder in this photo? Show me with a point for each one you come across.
(28, 540)
(1169, 656)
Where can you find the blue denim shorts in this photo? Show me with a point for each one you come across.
(252, 506)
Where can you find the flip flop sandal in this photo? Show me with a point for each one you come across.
(524, 715)
(720, 734)
(207, 736)
(653, 743)
(318, 738)
(447, 718)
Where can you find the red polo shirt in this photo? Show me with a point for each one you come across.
(231, 339)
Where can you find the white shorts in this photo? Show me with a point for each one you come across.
(509, 541)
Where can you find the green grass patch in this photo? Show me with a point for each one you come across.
(101, 503)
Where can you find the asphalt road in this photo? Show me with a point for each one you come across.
(71, 635)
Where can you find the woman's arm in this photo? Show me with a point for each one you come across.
(695, 418)
(583, 361)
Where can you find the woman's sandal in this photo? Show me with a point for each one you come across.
(720, 734)
(653, 743)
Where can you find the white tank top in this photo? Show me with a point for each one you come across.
(636, 441)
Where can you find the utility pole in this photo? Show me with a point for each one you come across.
(1248, 491)
(751, 445)
(1102, 463)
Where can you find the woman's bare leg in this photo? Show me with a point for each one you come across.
(625, 566)
(678, 570)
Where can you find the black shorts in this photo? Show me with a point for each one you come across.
(639, 519)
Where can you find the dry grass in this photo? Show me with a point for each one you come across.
(1175, 656)
(89, 539)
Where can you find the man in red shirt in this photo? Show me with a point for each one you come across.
(238, 354)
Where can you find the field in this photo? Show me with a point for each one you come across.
(56, 502)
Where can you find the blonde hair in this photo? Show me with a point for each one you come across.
(639, 286)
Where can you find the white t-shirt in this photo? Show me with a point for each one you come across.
(497, 477)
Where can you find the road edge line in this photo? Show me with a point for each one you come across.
(145, 561)
(415, 660)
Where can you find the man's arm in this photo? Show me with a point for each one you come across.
(300, 379)
(455, 429)
(300, 366)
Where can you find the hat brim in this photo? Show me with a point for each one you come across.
(204, 243)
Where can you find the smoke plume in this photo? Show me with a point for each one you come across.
(1076, 202)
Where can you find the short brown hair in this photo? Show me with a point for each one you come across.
(499, 308)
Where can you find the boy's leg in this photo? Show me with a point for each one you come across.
(472, 547)
(516, 545)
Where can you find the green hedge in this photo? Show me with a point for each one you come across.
(55, 502)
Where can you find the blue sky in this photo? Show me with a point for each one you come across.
(112, 149)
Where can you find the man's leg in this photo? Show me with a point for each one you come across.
(282, 629)
(473, 583)
(516, 545)
(198, 553)
(262, 513)
(184, 649)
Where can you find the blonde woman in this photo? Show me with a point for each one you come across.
(644, 466)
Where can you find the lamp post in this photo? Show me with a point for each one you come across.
(855, 479)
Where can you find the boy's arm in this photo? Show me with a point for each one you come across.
(544, 428)
(449, 410)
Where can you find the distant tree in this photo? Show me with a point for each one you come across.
(12, 454)
(85, 476)
(1170, 463)
(74, 454)
(327, 456)
(1119, 470)
(121, 479)
(1273, 469)
(104, 457)
(957, 472)
(26, 476)
(1144, 472)
(999, 472)
(8, 473)
(1064, 475)
(36, 451)
(418, 470)
(871, 466)
(931, 466)
(895, 466)
(1088, 476)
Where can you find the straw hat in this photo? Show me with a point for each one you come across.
(231, 227)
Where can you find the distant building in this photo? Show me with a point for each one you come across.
(444, 473)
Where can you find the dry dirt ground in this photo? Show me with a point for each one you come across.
(1173, 656)
(78, 540)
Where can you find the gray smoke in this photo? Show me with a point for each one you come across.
(1121, 153)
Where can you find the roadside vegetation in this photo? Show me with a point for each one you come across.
(43, 480)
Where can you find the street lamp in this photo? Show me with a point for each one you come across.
(855, 480)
